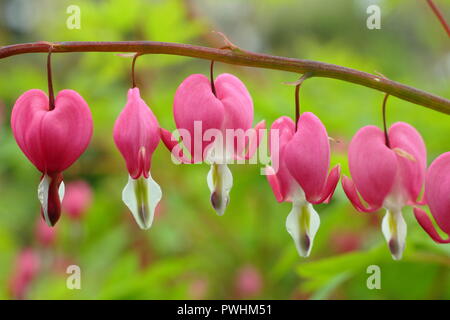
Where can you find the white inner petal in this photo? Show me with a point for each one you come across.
(220, 181)
(142, 196)
(43, 196)
(61, 191)
(219, 152)
(394, 230)
(302, 224)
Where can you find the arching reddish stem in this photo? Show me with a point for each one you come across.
(244, 58)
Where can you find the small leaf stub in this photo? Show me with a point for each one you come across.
(141, 196)
(220, 181)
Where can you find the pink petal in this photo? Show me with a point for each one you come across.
(425, 221)
(373, 166)
(330, 185)
(237, 102)
(281, 133)
(275, 184)
(255, 140)
(173, 145)
(308, 156)
(238, 107)
(412, 172)
(26, 118)
(52, 140)
(285, 128)
(352, 195)
(136, 134)
(437, 188)
(195, 102)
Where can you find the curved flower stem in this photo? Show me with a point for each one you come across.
(133, 79)
(298, 84)
(211, 76)
(297, 104)
(440, 16)
(51, 95)
(386, 136)
(243, 58)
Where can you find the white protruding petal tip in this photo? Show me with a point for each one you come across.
(220, 181)
(394, 230)
(43, 197)
(302, 224)
(61, 191)
(142, 196)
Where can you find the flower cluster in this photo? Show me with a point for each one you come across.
(388, 169)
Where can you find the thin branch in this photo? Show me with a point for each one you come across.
(243, 58)
(440, 16)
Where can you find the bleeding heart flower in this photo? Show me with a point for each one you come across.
(387, 176)
(213, 124)
(302, 159)
(52, 139)
(45, 235)
(437, 196)
(26, 268)
(248, 282)
(136, 134)
(77, 199)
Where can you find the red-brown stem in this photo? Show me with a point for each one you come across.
(51, 95)
(386, 136)
(211, 77)
(297, 96)
(243, 58)
(133, 79)
(297, 104)
(440, 16)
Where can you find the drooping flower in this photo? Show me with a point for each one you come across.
(45, 235)
(26, 268)
(248, 282)
(52, 139)
(437, 197)
(136, 134)
(387, 176)
(214, 126)
(299, 174)
(77, 199)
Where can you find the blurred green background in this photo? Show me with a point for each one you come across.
(190, 252)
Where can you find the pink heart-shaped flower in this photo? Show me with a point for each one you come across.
(52, 140)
